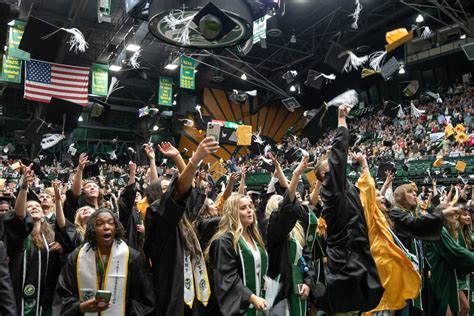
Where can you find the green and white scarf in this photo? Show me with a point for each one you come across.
(251, 278)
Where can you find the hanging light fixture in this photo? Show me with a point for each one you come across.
(204, 24)
(243, 77)
(419, 18)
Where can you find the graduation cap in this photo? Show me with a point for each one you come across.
(36, 166)
(389, 68)
(322, 121)
(33, 41)
(213, 23)
(448, 130)
(201, 123)
(43, 40)
(335, 57)
(384, 167)
(228, 136)
(314, 80)
(63, 176)
(438, 162)
(36, 130)
(292, 155)
(460, 166)
(63, 113)
(390, 109)
(267, 164)
(91, 170)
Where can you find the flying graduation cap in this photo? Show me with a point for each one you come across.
(43, 40)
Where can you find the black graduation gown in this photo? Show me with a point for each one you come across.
(139, 300)
(408, 227)
(72, 203)
(7, 297)
(130, 218)
(195, 201)
(225, 268)
(16, 231)
(164, 248)
(353, 283)
(281, 223)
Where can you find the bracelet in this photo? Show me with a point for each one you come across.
(24, 187)
(193, 163)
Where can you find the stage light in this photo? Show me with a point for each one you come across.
(419, 18)
(243, 77)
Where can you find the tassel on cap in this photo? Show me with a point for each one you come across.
(353, 61)
(376, 60)
(77, 41)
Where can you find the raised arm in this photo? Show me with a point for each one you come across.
(60, 218)
(296, 177)
(77, 183)
(388, 182)
(243, 174)
(170, 151)
(314, 196)
(150, 153)
(133, 171)
(336, 178)
(230, 185)
(279, 172)
(26, 180)
(207, 146)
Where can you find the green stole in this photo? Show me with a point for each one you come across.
(462, 280)
(469, 282)
(251, 280)
(298, 306)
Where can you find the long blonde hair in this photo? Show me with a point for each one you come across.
(298, 234)
(399, 196)
(272, 204)
(230, 223)
(77, 222)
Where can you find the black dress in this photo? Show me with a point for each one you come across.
(353, 283)
(139, 300)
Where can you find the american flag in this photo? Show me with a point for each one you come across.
(46, 80)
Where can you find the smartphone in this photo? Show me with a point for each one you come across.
(213, 130)
(103, 295)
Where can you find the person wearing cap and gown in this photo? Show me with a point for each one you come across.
(33, 252)
(291, 236)
(104, 263)
(449, 260)
(412, 230)
(180, 278)
(352, 281)
(92, 195)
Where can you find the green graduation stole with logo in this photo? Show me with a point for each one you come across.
(297, 305)
(250, 278)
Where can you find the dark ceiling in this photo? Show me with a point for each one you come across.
(315, 23)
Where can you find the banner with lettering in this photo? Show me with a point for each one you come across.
(14, 37)
(100, 79)
(187, 77)
(165, 95)
(11, 70)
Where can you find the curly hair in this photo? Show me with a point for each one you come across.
(89, 236)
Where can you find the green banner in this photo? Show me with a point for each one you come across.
(165, 96)
(187, 80)
(100, 79)
(11, 70)
(14, 38)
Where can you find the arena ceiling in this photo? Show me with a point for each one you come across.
(314, 24)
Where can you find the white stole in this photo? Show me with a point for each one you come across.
(115, 279)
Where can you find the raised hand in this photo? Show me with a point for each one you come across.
(150, 153)
(83, 160)
(168, 150)
(57, 186)
(343, 110)
(28, 176)
(207, 146)
(302, 166)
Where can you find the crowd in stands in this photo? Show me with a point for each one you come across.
(167, 240)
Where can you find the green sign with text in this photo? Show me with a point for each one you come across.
(100, 79)
(165, 95)
(187, 77)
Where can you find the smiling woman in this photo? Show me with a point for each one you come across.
(121, 284)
